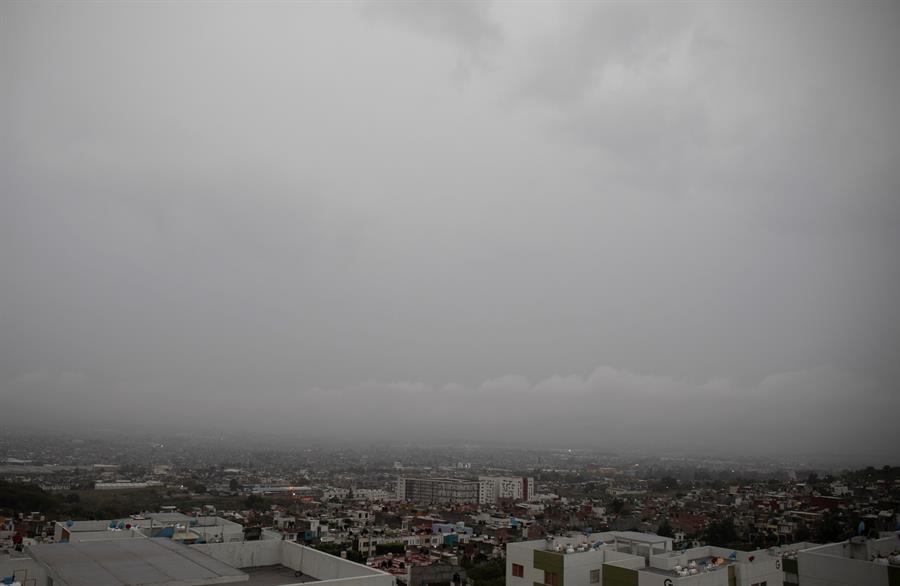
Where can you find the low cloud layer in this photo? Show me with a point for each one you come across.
(238, 213)
(819, 411)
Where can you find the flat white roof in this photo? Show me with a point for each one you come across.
(129, 562)
(638, 537)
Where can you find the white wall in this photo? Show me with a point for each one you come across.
(763, 568)
(381, 579)
(81, 536)
(623, 559)
(292, 555)
(226, 532)
(244, 554)
(825, 570)
(78, 527)
(578, 566)
(322, 565)
(668, 560)
(716, 578)
(90, 525)
(522, 553)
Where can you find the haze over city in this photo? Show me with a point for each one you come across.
(547, 224)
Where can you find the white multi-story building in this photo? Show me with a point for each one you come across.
(494, 488)
(172, 525)
(334, 492)
(628, 558)
(372, 494)
(575, 561)
(872, 562)
(437, 490)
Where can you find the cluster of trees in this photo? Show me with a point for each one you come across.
(665, 484)
(102, 504)
(25, 498)
(721, 532)
(335, 549)
(397, 548)
(489, 573)
(195, 486)
(829, 528)
(665, 529)
(870, 474)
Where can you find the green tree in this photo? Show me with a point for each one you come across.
(666, 483)
(255, 502)
(665, 529)
(828, 529)
(25, 497)
(721, 532)
(394, 548)
(489, 573)
(336, 549)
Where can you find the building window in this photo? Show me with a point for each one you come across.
(595, 576)
(551, 578)
(518, 570)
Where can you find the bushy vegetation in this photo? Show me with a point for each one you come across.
(24, 498)
(489, 573)
(335, 549)
(394, 548)
(721, 533)
(101, 504)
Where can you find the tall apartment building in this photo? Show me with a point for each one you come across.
(493, 488)
(437, 490)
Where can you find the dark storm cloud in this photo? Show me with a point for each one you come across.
(239, 215)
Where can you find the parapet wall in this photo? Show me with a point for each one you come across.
(318, 564)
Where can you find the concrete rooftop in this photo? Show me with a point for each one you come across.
(276, 575)
(128, 562)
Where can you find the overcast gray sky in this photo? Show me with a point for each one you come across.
(626, 225)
